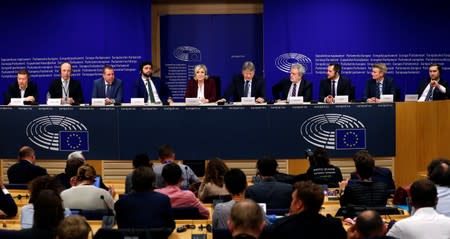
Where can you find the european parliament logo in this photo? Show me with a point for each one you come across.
(58, 133)
(187, 53)
(284, 62)
(334, 131)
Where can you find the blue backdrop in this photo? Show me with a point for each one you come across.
(355, 32)
(221, 42)
(89, 33)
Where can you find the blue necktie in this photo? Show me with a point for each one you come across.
(247, 85)
(429, 96)
(378, 90)
(108, 91)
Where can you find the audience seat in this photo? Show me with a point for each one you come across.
(183, 213)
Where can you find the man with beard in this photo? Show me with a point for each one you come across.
(335, 85)
(433, 88)
(152, 89)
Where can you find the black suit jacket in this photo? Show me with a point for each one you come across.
(281, 89)
(55, 90)
(236, 88)
(7, 204)
(371, 88)
(276, 195)
(24, 171)
(437, 95)
(344, 87)
(144, 210)
(307, 225)
(14, 91)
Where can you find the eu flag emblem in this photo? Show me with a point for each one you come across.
(73, 140)
(350, 138)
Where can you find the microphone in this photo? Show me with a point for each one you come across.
(109, 219)
(187, 179)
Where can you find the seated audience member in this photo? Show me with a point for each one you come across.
(152, 89)
(144, 208)
(425, 222)
(26, 169)
(380, 174)
(166, 156)
(379, 84)
(74, 227)
(200, 86)
(246, 220)
(236, 183)
(140, 160)
(304, 220)
(322, 172)
(433, 88)
(334, 85)
(92, 198)
(22, 88)
(48, 213)
(246, 85)
(35, 187)
(276, 195)
(369, 225)
(213, 183)
(66, 88)
(364, 192)
(439, 174)
(69, 177)
(171, 174)
(7, 204)
(294, 86)
(108, 87)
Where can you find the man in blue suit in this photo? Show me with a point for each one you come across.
(335, 84)
(379, 84)
(152, 89)
(246, 85)
(108, 87)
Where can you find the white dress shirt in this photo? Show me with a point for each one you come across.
(443, 205)
(155, 92)
(428, 88)
(424, 223)
(249, 94)
(201, 91)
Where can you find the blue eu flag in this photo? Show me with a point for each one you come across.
(73, 140)
(350, 138)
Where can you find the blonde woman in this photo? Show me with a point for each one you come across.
(200, 86)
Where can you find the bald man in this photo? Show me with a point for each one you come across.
(66, 88)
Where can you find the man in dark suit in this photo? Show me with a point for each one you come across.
(304, 220)
(7, 204)
(334, 85)
(23, 88)
(246, 85)
(144, 208)
(380, 174)
(108, 87)
(152, 89)
(276, 195)
(378, 85)
(433, 88)
(25, 170)
(294, 86)
(66, 88)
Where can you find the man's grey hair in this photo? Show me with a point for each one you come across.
(248, 65)
(299, 67)
(76, 155)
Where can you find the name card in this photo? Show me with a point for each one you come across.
(98, 102)
(53, 101)
(341, 99)
(248, 100)
(387, 98)
(413, 97)
(137, 101)
(298, 100)
(16, 101)
(192, 101)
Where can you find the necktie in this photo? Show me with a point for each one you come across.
(333, 89)
(429, 96)
(294, 90)
(65, 90)
(378, 90)
(150, 92)
(108, 91)
(247, 85)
